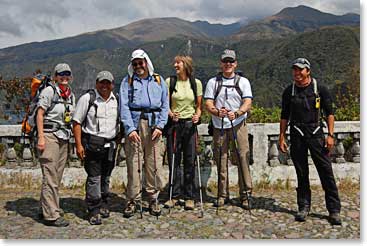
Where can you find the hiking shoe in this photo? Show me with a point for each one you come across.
(189, 205)
(246, 200)
(59, 222)
(170, 203)
(301, 215)
(104, 212)
(95, 219)
(334, 219)
(154, 209)
(220, 202)
(41, 217)
(129, 209)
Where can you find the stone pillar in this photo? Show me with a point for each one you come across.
(208, 151)
(73, 157)
(121, 156)
(27, 154)
(273, 151)
(11, 155)
(356, 148)
(339, 149)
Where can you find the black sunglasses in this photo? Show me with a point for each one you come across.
(135, 64)
(228, 61)
(64, 73)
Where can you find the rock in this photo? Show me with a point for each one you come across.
(165, 226)
(237, 235)
(353, 214)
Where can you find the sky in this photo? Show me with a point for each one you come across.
(24, 21)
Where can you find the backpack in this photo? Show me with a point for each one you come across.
(38, 84)
(218, 88)
(172, 88)
(317, 101)
(92, 99)
(130, 81)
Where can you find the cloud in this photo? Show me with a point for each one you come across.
(37, 20)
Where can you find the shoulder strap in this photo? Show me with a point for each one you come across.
(237, 79)
(55, 97)
(157, 78)
(172, 87)
(315, 89)
(92, 98)
(194, 88)
(218, 85)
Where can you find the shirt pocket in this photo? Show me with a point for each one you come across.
(155, 95)
(135, 93)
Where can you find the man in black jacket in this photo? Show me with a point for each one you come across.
(303, 104)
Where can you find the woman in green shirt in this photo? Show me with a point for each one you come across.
(185, 96)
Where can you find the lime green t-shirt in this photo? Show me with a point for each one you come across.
(183, 100)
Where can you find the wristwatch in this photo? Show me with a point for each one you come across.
(330, 135)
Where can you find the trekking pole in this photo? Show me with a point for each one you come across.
(199, 175)
(172, 167)
(141, 183)
(239, 163)
(227, 172)
(155, 178)
(219, 161)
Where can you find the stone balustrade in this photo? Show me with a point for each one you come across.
(263, 139)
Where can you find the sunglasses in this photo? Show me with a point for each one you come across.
(228, 61)
(64, 73)
(135, 64)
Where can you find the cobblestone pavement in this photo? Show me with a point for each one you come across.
(272, 218)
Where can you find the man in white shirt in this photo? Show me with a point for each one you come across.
(95, 129)
(228, 99)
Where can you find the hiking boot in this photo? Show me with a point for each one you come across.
(59, 222)
(246, 200)
(220, 202)
(41, 217)
(170, 203)
(104, 212)
(189, 205)
(129, 209)
(301, 215)
(154, 208)
(95, 219)
(334, 219)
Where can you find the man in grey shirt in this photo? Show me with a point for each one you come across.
(96, 127)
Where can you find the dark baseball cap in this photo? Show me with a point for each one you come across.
(301, 63)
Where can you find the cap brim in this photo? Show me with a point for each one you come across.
(300, 65)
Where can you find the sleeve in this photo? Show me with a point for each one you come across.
(326, 101)
(199, 88)
(245, 87)
(125, 113)
(45, 98)
(81, 109)
(209, 90)
(286, 104)
(163, 115)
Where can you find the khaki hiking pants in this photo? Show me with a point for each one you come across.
(53, 161)
(144, 151)
(244, 181)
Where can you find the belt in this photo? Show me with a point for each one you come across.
(146, 110)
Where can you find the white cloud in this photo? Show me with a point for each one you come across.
(37, 20)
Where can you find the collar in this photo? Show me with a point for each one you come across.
(111, 97)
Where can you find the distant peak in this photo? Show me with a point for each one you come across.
(292, 11)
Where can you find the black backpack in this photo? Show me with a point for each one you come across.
(218, 88)
(172, 88)
(92, 99)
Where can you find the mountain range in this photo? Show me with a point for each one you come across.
(264, 47)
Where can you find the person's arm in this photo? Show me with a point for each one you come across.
(282, 129)
(330, 137)
(77, 130)
(41, 136)
(199, 99)
(284, 121)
